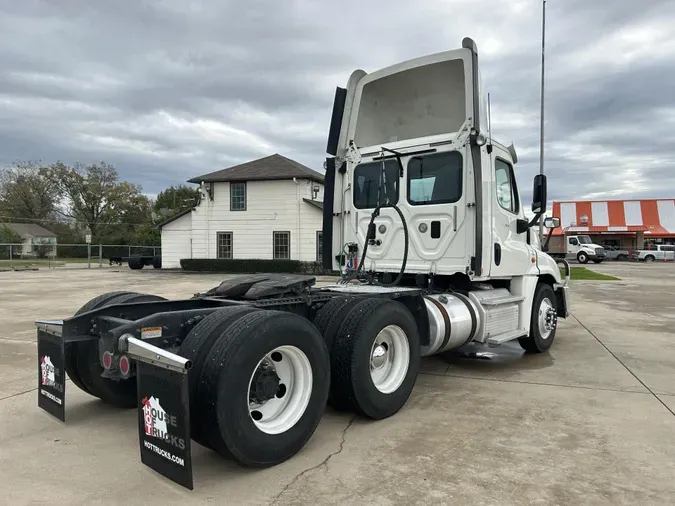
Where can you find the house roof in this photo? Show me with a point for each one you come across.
(270, 168)
(654, 217)
(29, 230)
(315, 203)
(175, 217)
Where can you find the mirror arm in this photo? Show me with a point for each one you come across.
(548, 239)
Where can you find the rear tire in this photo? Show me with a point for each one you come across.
(157, 262)
(541, 337)
(135, 263)
(71, 349)
(650, 258)
(122, 393)
(330, 317)
(196, 347)
(582, 258)
(376, 359)
(227, 378)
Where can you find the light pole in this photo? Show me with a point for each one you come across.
(541, 126)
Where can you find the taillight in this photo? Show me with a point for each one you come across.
(125, 365)
(107, 360)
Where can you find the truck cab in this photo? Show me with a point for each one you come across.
(412, 145)
(424, 197)
(584, 249)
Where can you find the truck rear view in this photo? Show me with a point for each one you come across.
(425, 223)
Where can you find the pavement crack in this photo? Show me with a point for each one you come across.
(319, 465)
(624, 365)
(17, 394)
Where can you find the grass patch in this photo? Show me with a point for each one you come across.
(585, 274)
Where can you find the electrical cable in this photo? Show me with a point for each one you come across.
(370, 234)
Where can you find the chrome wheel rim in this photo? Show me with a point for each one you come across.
(279, 389)
(547, 318)
(389, 359)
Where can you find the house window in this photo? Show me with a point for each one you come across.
(319, 246)
(282, 245)
(237, 196)
(224, 243)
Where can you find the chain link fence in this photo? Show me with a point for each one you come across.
(27, 255)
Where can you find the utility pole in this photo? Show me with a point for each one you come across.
(541, 126)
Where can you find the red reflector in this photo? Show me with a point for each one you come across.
(107, 359)
(124, 365)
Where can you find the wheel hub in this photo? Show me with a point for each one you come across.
(379, 356)
(265, 384)
(547, 318)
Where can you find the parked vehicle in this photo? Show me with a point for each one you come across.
(582, 248)
(613, 253)
(662, 252)
(430, 205)
(136, 262)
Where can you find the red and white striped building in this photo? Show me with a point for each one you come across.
(620, 223)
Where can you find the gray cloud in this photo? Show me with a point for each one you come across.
(169, 89)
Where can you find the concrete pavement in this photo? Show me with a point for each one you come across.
(590, 422)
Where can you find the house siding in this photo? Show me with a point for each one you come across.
(271, 206)
(176, 241)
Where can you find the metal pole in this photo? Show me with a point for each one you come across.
(541, 126)
(100, 255)
(89, 256)
(10, 256)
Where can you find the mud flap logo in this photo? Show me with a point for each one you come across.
(48, 371)
(156, 420)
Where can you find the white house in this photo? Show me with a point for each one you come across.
(271, 208)
(35, 240)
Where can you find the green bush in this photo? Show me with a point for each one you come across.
(251, 266)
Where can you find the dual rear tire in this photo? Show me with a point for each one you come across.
(374, 346)
(258, 384)
(260, 380)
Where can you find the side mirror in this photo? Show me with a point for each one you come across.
(552, 222)
(539, 194)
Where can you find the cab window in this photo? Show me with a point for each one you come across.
(435, 179)
(368, 188)
(573, 241)
(505, 182)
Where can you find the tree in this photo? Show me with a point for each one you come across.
(8, 236)
(26, 192)
(175, 199)
(95, 196)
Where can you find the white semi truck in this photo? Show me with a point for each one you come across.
(580, 247)
(424, 206)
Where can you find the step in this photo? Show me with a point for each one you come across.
(502, 300)
(505, 337)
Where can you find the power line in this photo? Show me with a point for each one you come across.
(70, 222)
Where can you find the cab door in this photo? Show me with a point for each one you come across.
(511, 255)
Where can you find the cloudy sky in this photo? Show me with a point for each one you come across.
(169, 89)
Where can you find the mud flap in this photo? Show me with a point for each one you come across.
(51, 374)
(164, 422)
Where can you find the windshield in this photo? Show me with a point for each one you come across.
(584, 239)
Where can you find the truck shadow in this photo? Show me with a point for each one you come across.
(507, 358)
